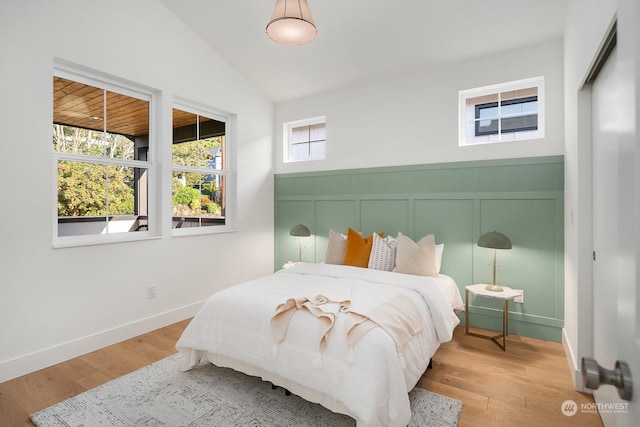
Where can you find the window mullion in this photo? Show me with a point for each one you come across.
(104, 122)
(499, 116)
(199, 160)
(189, 169)
(83, 158)
(104, 155)
(106, 195)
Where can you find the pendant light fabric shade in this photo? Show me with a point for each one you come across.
(291, 23)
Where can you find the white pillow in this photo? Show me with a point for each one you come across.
(438, 256)
(383, 253)
(416, 258)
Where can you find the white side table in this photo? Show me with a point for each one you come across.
(290, 264)
(506, 295)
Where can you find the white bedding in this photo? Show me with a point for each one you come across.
(370, 381)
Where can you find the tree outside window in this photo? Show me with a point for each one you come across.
(199, 169)
(100, 144)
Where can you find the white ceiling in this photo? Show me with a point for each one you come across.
(365, 40)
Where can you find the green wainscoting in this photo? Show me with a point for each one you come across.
(522, 198)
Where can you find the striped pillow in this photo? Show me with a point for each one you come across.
(383, 253)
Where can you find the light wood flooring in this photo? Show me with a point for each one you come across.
(523, 386)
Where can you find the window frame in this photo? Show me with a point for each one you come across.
(110, 83)
(287, 138)
(493, 104)
(230, 183)
(493, 137)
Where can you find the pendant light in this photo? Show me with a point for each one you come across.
(291, 23)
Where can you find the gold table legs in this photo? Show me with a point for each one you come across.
(495, 338)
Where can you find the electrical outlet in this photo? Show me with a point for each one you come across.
(152, 291)
(519, 299)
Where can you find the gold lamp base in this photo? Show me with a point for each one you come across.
(494, 288)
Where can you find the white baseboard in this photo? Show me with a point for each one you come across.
(576, 373)
(25, 364)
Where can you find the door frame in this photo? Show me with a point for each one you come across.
(625, 26)
(585, 247)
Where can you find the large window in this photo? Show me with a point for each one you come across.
(305, 140)
(101, 150)
(505, 112)
(199, 171)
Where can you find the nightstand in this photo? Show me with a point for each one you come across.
(506, 295)
(290, 264)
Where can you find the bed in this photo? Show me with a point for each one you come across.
(355, 340)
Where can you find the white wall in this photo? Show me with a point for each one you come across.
(413, 119)
(587, 25)
(58, 303)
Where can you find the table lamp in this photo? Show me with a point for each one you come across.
(494, 240)
(300, 231)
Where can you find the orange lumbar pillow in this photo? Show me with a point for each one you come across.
(358, 249)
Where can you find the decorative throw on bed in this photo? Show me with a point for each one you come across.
(398, 316)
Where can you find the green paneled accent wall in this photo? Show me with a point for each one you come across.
(522, 198)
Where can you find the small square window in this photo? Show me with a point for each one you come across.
(305, 140)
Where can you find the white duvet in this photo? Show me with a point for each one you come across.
(370, 381)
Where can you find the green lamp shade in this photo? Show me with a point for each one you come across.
(494, 240)
(300, 231)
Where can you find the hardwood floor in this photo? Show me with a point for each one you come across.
(523, 386)
(30, 393)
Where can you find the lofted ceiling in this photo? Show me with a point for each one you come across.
(366, 40)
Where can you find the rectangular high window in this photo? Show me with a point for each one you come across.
(504, 112)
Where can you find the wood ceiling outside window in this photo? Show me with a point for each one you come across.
(80, 105)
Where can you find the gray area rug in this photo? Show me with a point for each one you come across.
(161, 395)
